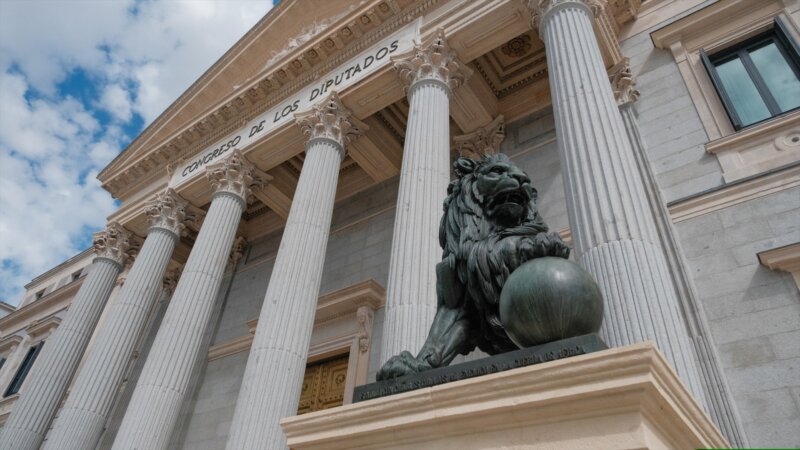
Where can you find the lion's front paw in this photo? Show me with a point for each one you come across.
(403, 364)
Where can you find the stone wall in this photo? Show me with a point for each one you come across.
(754, 312)
(669, 123)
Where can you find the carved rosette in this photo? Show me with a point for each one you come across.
(432, 60)
(169, 212)
(623, 83)
(483, 141)
(113, 243)
(235, 175)
(331, 121)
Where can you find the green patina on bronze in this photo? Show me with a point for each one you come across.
(490, 227)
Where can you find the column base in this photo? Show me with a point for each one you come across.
(621, 398)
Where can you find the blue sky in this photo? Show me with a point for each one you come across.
(79, 79)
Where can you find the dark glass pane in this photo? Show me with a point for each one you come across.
(778, 75)
(24, 368)
(742, 92)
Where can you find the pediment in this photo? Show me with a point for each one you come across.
(275, 42)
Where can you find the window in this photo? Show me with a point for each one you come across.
(23, 370)
(2, 362)
(75, 276)
(40, 294)
(759, 78)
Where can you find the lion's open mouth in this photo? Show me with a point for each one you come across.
(510, 197)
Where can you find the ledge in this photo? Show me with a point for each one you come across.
(768, 145)
(627, 397)
(785, 258)
(330, 306)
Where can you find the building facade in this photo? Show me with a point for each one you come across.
(278, 230)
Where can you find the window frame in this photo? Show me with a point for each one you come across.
(788, 48)
(22, 372)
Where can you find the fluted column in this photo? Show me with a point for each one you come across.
(59, 358)
(274, 374)
(431, 71)
(717, 393)
(162, 386)
(83, 417)
(613, 231)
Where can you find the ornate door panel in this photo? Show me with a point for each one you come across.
(323, 385)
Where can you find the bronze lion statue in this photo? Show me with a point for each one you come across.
(489, 228)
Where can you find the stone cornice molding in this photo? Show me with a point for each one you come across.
(114, 243)
(483, 141)
(623, 82)
(169, 212)
(237, 176)
(42, 329)
(9, 343)
(360, 299)
(785, 258)
(303, 65)
(331, 121)
(433, 60)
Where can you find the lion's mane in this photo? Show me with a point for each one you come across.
(473, 244)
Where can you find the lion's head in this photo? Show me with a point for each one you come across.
(488, 195)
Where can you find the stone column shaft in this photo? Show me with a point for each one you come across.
(274, 375)
(162, 386)
(83, 417)
(59, 358)
(613, 231)
(717, 393)
(432, 71)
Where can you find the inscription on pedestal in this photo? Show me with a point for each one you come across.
(499, 363)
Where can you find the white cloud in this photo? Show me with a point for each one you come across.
(117, 101)
(140, 56)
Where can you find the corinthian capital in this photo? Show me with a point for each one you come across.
(330, 120)
(236, 175)
(432, 60)
(541, 8)
(168, 211)
(623, 83)
(113, 243)
(483, 141)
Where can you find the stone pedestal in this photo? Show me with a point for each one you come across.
(50, 376)
(622, 398)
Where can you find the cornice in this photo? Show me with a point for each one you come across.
(348, 36)
(43, 326)
(86, 253)
(341, 303)
(8, 343)
(58, 299)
